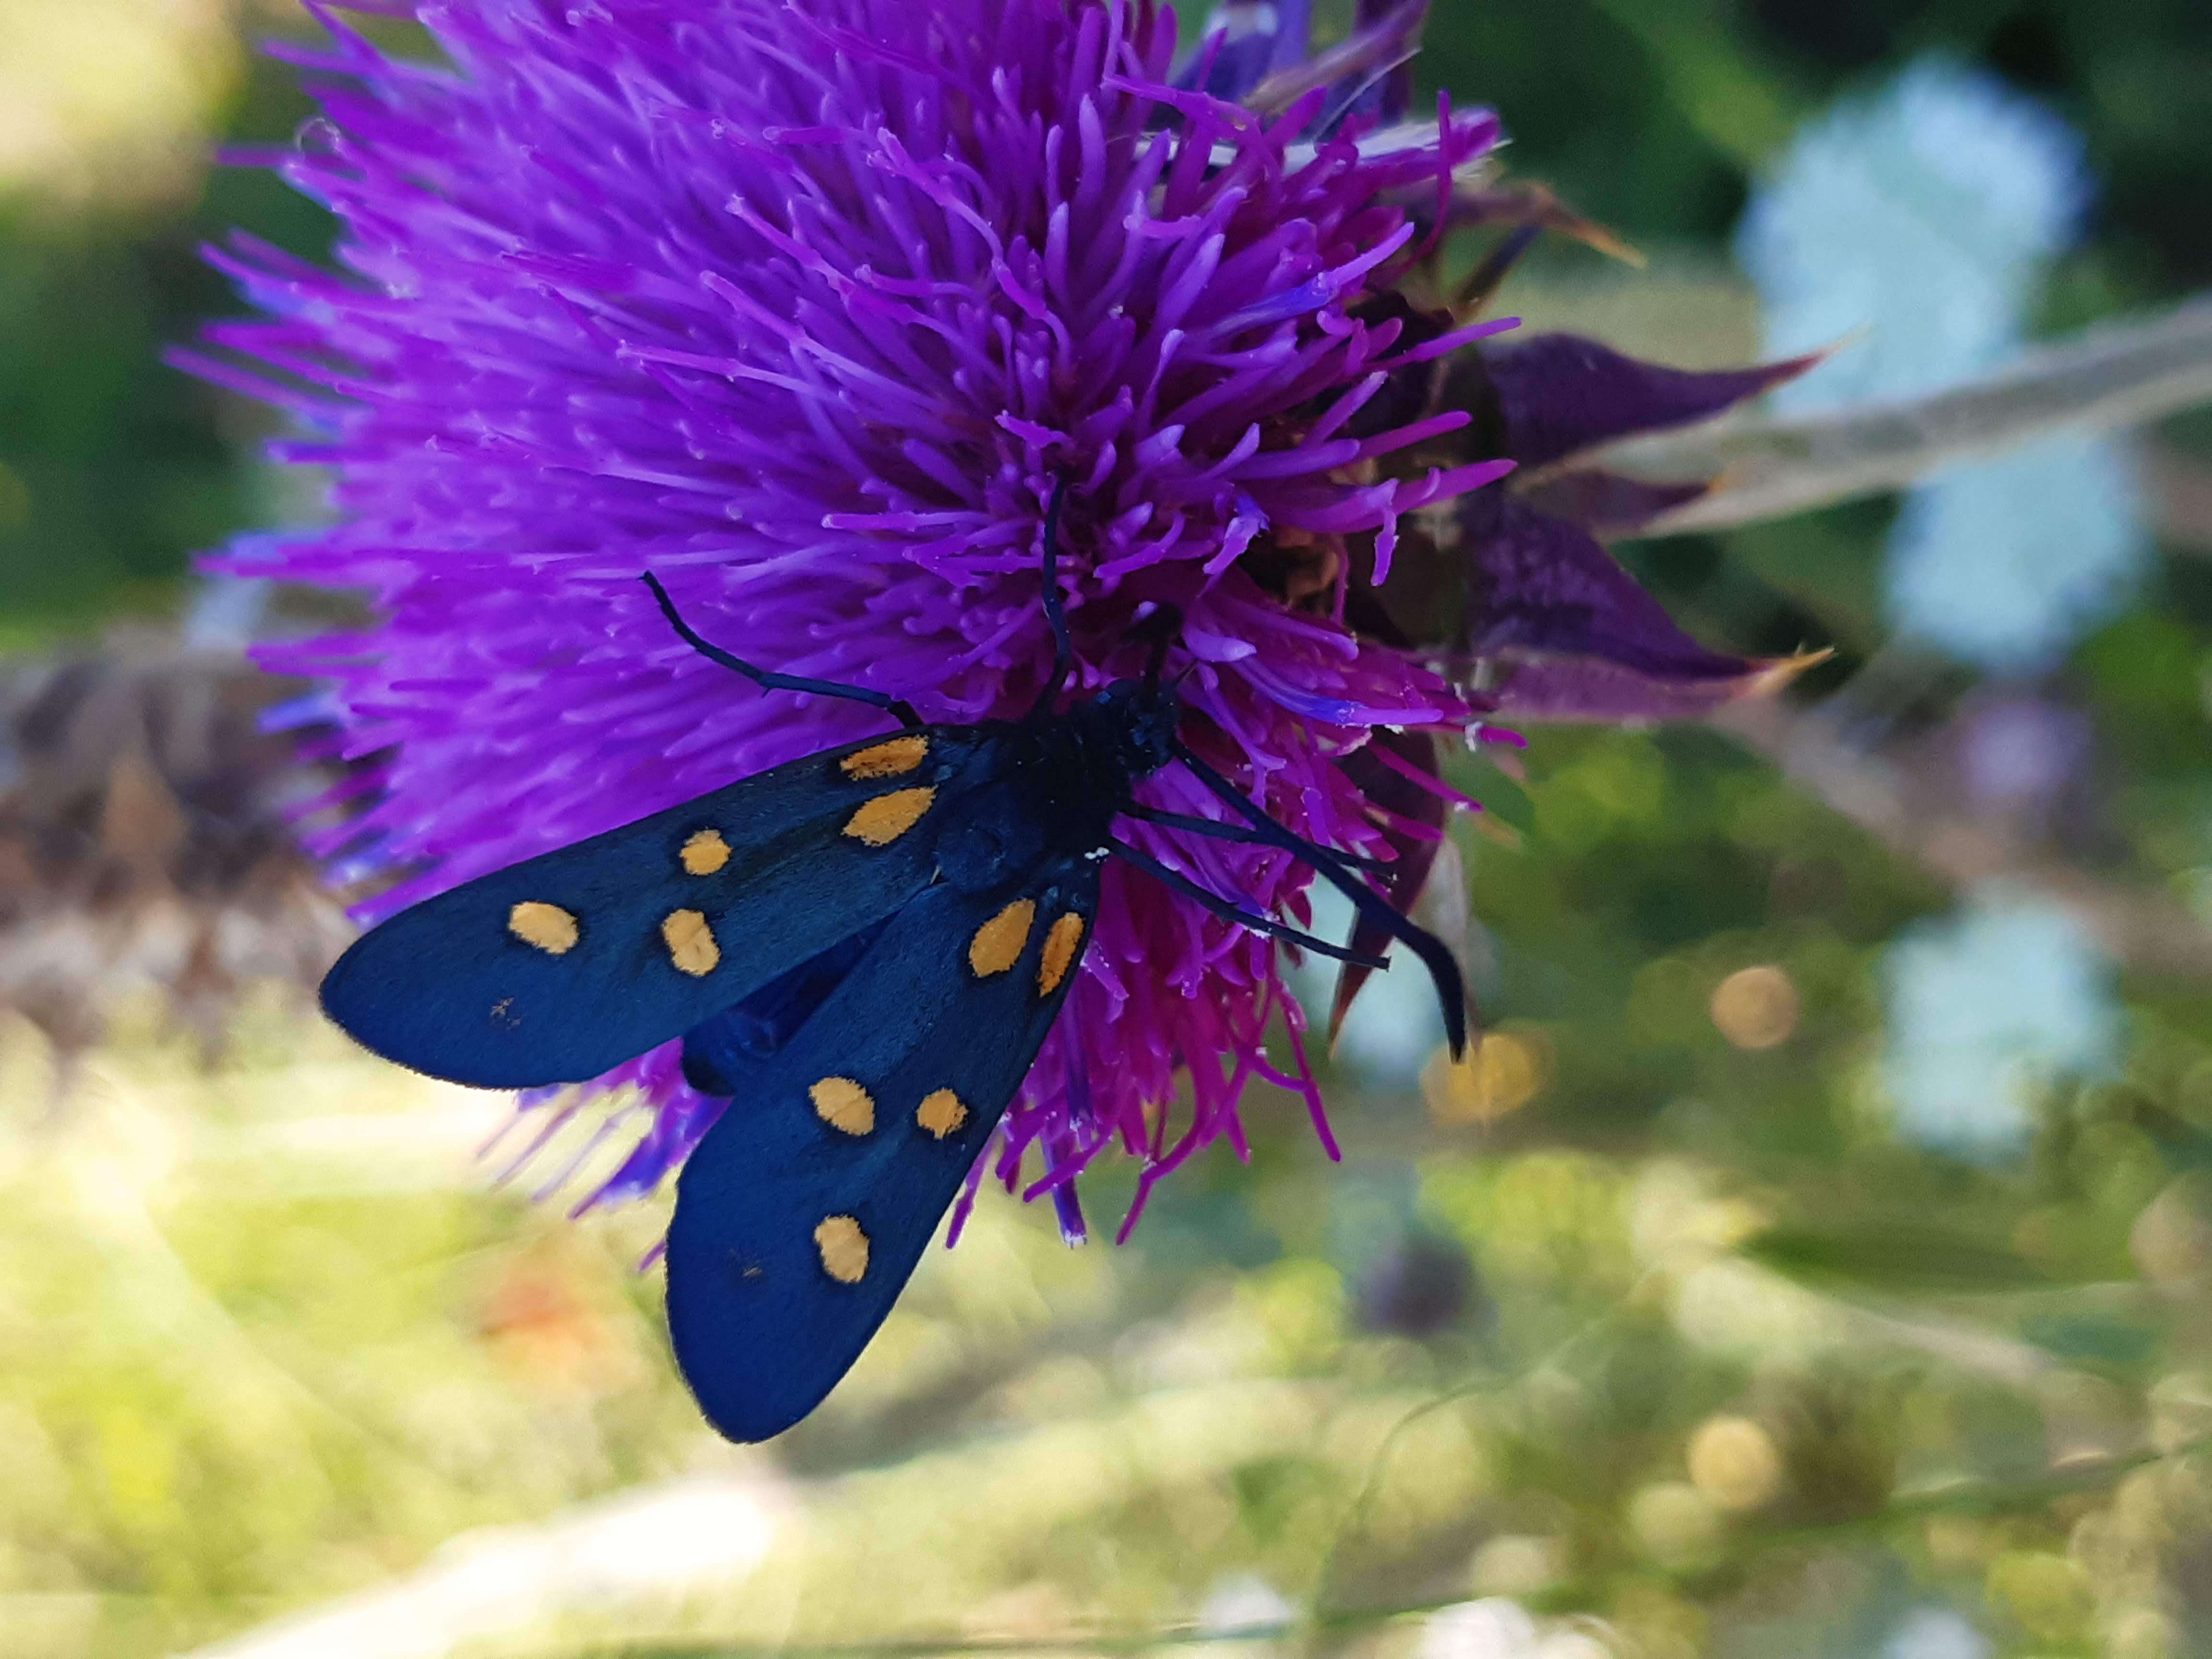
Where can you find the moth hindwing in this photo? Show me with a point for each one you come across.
(802, 1213)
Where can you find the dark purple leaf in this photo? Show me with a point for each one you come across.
(1561, 393)
(1540, 585)
(1605, 503)
(1535, 687)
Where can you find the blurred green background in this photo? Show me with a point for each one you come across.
(1668, 1326)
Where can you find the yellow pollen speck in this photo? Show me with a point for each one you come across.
(940, 1113)
(885, 819)
(691, 946)
(548, 927)
(844, 1249)
(705, 852)
(843, 1104)
(1059, 952)
(887, 760)
(998, 943)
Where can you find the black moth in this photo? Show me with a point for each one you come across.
(864, 950)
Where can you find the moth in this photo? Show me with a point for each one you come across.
(862, 950)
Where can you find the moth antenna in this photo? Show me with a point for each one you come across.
(767, 679)
(1063, 646)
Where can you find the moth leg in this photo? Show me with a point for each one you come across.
(1232, 912)
(767, 679)
(1435, 956)
(1220, 831)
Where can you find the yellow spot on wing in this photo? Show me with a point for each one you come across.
(844, 1249)
(887, 760)
(843, 1104)
(690, 944)
(998, 943)
(1060, 947)
(940, 1113)
(882, 821)
(705, 852)
(548, 927)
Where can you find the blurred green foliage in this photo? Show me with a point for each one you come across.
(114, 468)
(1717, 1362)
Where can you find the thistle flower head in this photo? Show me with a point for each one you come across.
(808, 310)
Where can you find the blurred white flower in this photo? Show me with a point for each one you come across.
(225, 613)
(1243, 1601)
(2003, 563)
(1986, 1005)
(1914, 226)
(1935, 1633)
(1495, 1628)
(1918, 218)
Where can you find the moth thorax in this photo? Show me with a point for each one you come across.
(1132, 722)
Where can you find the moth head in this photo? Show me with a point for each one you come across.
(1138, 720)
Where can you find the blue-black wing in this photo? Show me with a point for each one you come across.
(554, 969)
(801, 1214)
(721, 1053)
